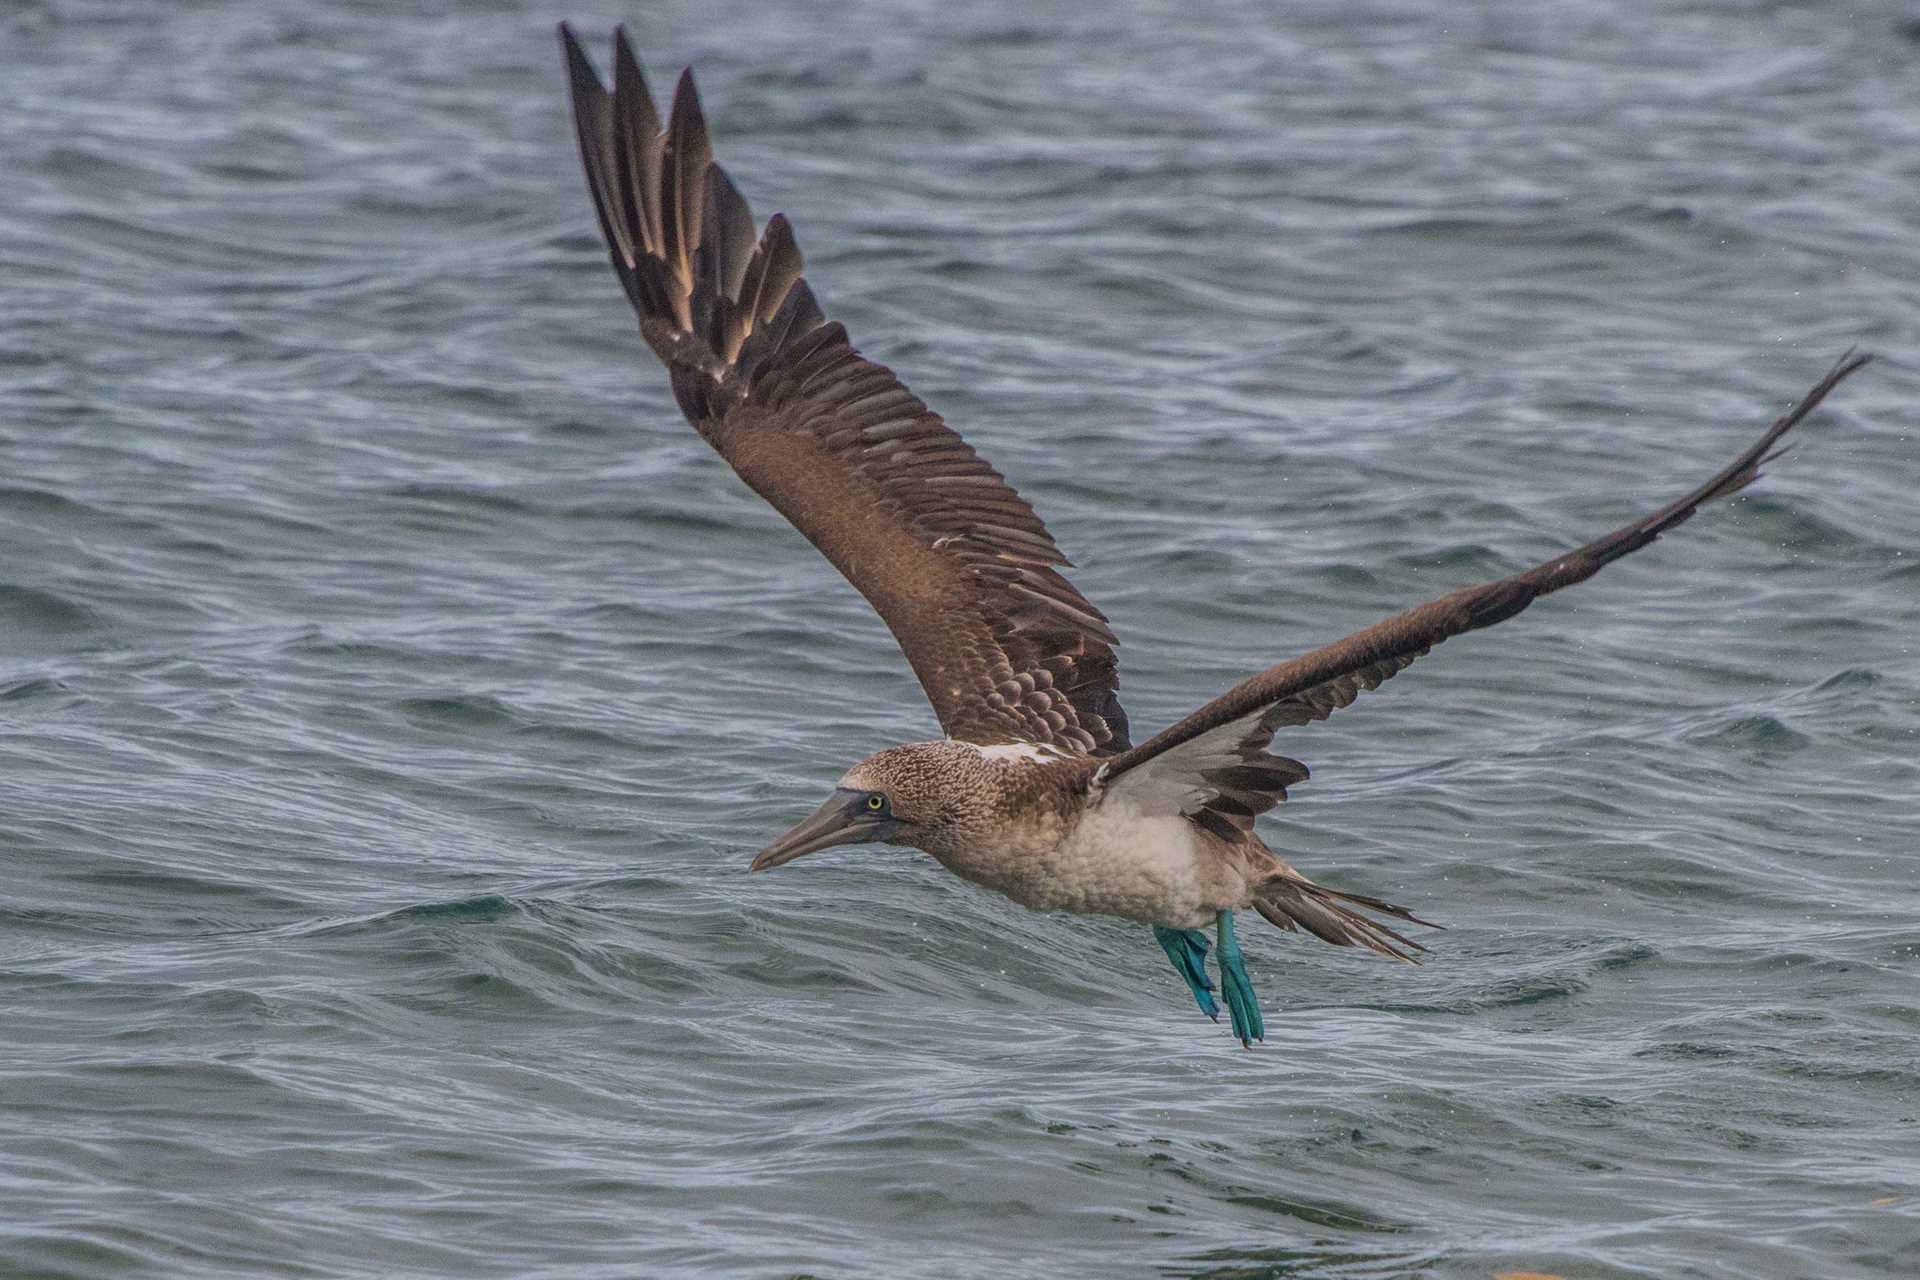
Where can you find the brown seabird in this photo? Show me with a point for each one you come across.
(1036, 789)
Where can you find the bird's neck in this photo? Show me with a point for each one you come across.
(1015, 804)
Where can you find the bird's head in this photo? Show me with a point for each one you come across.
(903, 795)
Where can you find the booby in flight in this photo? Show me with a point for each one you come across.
(1036, 789)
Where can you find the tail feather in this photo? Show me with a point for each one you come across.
(1290, 901)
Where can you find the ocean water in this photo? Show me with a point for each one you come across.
(393, 689)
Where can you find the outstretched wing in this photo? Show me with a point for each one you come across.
(1214, 764)
(957, 564)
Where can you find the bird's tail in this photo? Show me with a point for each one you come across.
(1290, 901)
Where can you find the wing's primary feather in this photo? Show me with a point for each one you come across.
(956, 563)
(1214, 765)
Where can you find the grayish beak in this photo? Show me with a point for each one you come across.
(843, 819)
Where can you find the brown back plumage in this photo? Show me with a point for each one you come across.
(1214, 764)
(957, 564)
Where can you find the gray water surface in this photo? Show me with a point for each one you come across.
(393, 688)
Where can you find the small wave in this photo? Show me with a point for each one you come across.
(1756, 733)
(459, 496)
(465, 711)
(42, 502)
(484, 908)
(28, 690)
(34, 614)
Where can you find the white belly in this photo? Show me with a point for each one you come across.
(1114, 862)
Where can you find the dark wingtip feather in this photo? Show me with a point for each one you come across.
(686, 102)
(627, 71)
(594, 130)
(1731, 479)
(580, 72)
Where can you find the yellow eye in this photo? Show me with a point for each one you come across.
(876, 802)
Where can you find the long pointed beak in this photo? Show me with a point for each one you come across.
(843, 819)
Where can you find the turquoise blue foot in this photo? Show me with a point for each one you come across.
(1187, 948)
(1241, 1004)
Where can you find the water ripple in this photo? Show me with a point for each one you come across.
(397, 689)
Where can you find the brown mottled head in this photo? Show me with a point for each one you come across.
(909, 795)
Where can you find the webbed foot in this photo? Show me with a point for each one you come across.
(1238, 988)
(1187, 948)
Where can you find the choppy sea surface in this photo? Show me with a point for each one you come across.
(393, 689)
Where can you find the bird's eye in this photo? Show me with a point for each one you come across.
(876, 802)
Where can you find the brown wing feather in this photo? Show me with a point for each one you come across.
(1214, 762)
(957, 564)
